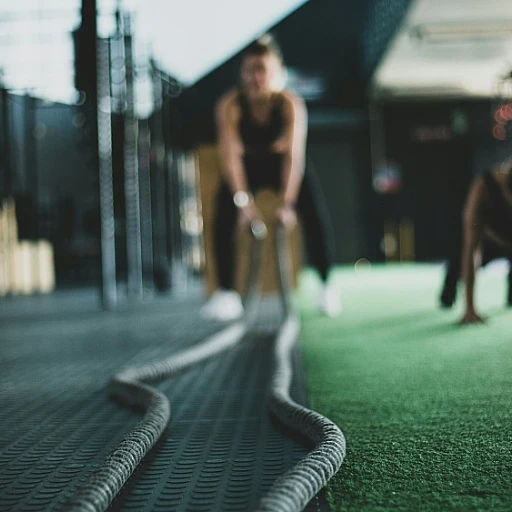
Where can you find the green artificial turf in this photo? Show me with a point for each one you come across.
(425, 405)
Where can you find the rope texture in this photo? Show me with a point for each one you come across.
(294, 490)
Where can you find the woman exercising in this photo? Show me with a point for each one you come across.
(487, 234)
(262, 131)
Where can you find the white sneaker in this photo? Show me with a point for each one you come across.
(330, 301)
(223, 305)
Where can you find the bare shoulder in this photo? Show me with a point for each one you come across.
(501, 176)
(477, 189)
(228, 97)
(294, 106)
(475, 197)
(292, 100)
(228, 103)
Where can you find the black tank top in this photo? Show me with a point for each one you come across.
(498, 213)
(262, 166)
(258, 137)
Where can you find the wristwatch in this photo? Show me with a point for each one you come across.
(241, 198)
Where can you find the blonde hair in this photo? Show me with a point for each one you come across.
(267, 45)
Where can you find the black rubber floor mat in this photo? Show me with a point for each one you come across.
(220, 452)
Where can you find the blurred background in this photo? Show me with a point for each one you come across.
(107, 129)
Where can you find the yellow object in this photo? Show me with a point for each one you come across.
(267, 202)
(26, 267)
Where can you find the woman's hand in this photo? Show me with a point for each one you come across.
(281, 145)
(471, 317)
(247, 214)
(287, 215)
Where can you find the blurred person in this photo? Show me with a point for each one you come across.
(486, 235)
(262, 130)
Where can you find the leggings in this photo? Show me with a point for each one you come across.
(310, 207)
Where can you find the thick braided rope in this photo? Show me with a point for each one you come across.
(291, 493)
(128, 387)
(103, 485)
(296, 488)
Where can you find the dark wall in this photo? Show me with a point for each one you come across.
(18, 139)
(65, 161)
(439, 147)
(340, 158)
(54, 182)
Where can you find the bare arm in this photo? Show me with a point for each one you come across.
(472, 236)
(231, 154)
(293, 145)
(227, 117)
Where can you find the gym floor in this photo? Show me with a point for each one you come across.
(221, 450)
(425, 405)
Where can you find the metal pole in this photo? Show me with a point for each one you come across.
(131, 188)
(187, 194)
(6, 167)
(175, 192)
(106, 182)
(176, 195)
(170, 180)
(145, 204)
(161, 265)
(31, 161)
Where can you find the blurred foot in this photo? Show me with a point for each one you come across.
(223, 306)
(330, 301)
(471, 317)
(448, 296)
